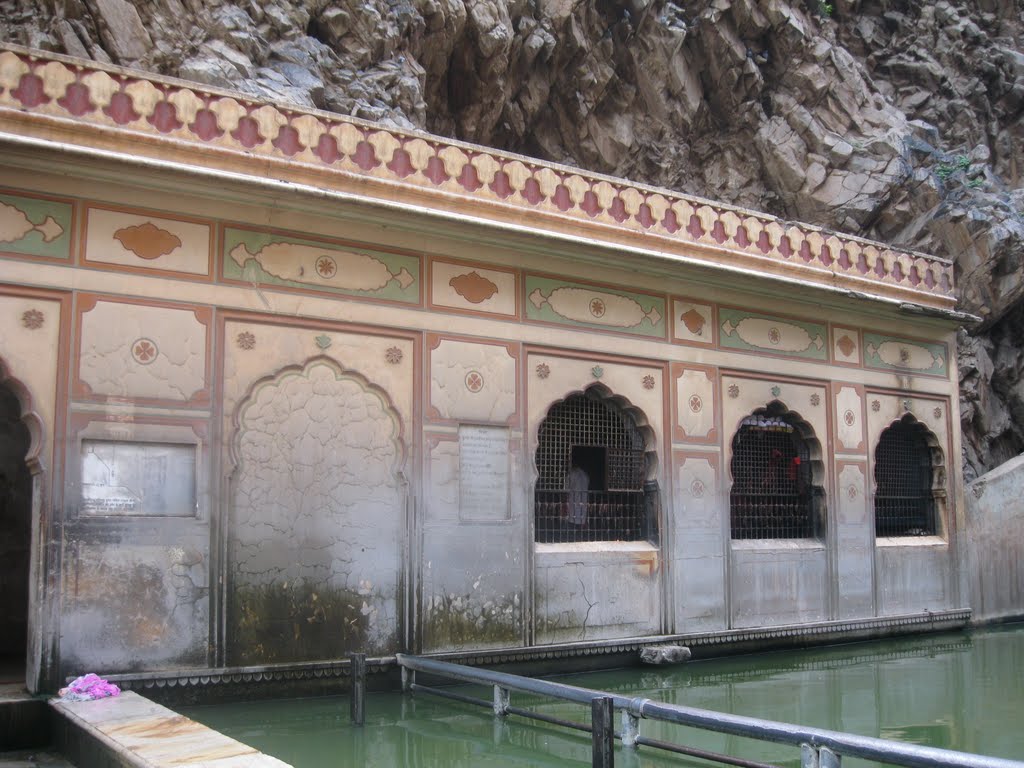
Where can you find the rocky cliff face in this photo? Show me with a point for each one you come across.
(899, 120)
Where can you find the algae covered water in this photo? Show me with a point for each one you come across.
(961, 691)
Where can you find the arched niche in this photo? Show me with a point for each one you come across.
(777, 477)
(317, 517)
(909, 480)
(610, 440)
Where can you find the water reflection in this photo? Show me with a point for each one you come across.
(956, 691)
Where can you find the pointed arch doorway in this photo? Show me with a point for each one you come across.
(15, 537)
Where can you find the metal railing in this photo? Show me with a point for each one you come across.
(819, 748)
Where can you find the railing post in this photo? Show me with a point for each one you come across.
(602, 720)
(829, 759)
(819, 757)
(408, 678)
(358, 701)
(630, 729)
(501, 701)
(631, 722)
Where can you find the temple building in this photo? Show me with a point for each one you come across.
(280, 385)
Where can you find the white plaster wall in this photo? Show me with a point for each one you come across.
(854, 543)
(778, 582)
(913, 575)
(995, 542)
(699, 545)
(473, 571)
(592, 592)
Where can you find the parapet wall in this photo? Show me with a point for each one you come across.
(994, 505)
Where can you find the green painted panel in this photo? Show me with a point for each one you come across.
(35, 227)
(891, 353)
(754, 332)
(585, 306)
(285, 260)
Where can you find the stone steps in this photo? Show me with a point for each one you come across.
(24, 719)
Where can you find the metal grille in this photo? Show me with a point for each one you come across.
(607, 446)
(904, 500)
(772, 494)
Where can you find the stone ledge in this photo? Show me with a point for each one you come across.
(130, 731)
(314, 678)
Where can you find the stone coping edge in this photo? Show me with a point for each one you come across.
(148, 728)
(702, 643)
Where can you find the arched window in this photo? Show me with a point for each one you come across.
(906, 493)
(592, 472)
(776, 466)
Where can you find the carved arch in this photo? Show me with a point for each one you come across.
(761, 494)
(935, 462)
(303, 369)
(595, 468)
(29, 417)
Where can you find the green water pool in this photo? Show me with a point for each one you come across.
(961, 691)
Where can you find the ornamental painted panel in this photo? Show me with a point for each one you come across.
(147, 241)
(134, 351)
(890, 353)
(289, 261)
(855, 542)
(749, 331)
(693, 323)
(578, 304)
(845, 345)
(853, 509)
(35, 226)
(697, 484)
(849, 418)
(471, 381)
(695, 404)
(473, 288)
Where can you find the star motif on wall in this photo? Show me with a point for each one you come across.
(326, 266)
(246, 340)
(32, 319)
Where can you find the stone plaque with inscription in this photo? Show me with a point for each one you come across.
(483, 474)
(138, 478)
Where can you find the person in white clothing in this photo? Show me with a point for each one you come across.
(577, 483)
